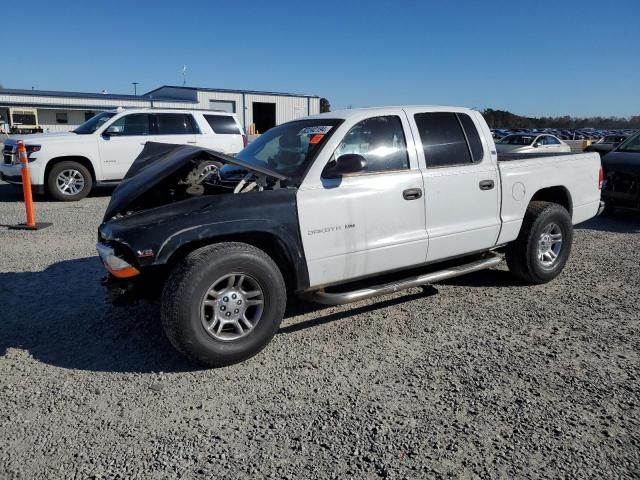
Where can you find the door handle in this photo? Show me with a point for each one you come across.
(412, 194)
(486, 184)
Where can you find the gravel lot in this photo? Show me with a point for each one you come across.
(483, 377)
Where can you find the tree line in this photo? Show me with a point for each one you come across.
(504, 119)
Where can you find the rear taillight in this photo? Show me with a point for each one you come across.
(244, 140)
(600, 178)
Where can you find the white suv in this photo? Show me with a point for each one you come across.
(101, 150)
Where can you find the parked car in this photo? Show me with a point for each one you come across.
(315, 204)
(532, 143)
(606, 144)
(101, 150)
(622, 175)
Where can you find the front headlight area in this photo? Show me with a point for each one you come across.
(114, 263)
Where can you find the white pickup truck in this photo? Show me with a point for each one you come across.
(101, 150)
(336, 207)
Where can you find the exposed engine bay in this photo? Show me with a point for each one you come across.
(202, 176)
(206, 176)
(165, 174)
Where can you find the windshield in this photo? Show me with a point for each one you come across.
(517, 140)
(94, 123)
(290, 147)
(632, 144)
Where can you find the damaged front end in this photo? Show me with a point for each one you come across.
(169, 192)
(164, 174)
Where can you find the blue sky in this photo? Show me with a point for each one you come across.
(533, 58)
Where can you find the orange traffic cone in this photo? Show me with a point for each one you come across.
(28, 196)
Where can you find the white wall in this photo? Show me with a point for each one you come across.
(47, 120)
(204, 97)
(86, 101)
(287, 107)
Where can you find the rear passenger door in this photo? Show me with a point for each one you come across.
(178, 128)
(462, 189)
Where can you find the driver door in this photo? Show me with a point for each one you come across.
(370, 222)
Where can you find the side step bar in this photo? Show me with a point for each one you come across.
(328, 298)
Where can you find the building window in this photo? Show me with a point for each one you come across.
(222, 106)
(62, 117)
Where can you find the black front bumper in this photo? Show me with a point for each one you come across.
(129, 291)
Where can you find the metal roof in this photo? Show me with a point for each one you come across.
(103, 96)
(228, 90)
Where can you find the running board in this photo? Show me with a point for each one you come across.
(328, 298)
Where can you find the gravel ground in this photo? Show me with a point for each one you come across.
(483, 377)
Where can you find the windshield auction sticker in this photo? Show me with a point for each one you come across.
(320, 129)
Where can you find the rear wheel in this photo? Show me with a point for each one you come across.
(542, 248)
(223, 303)
(69, 181)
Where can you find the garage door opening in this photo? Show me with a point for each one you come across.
(264, 116)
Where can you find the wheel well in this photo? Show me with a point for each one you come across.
(268, 243)
(84, 161)
(559, 195)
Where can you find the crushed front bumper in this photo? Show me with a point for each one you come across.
(129, 291)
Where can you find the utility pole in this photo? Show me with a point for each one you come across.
(135, 87)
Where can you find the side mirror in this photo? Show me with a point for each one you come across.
(536, 144)
(111, 131)
(347, 164)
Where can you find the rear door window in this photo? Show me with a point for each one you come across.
(175, 124)
(223, 124)
(475, 143)
(380, 140)
(443, 139)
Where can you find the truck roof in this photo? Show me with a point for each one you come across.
(352, 112)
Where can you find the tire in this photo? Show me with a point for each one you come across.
(77, 189)
(542, 222)
(186, 317)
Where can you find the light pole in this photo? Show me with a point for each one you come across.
(135, 87)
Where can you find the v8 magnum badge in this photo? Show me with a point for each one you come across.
(147, 252)
(332, 229)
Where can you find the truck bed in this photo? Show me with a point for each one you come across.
(506, 157)
(574, 176)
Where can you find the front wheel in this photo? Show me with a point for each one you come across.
(223, 303)
(69, 181)
(542, 248)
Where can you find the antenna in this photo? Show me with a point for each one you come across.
(184, 75)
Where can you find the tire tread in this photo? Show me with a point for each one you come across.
(518, 253)
(176, 289)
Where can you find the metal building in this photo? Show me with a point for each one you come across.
(53, 111)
